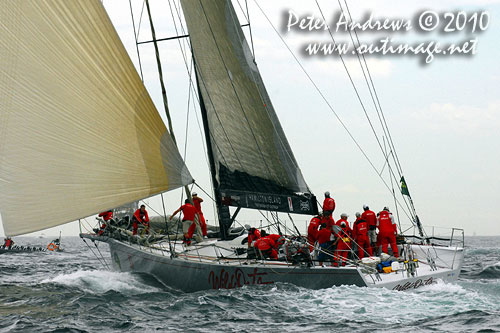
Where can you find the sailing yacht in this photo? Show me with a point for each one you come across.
(79, 134)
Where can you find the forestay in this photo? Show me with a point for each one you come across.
(78, 131)
(254, 164)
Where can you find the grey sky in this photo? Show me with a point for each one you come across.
(444, 117)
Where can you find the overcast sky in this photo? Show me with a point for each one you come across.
(444, 117)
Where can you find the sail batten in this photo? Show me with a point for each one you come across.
(252, 156)
(78, 130)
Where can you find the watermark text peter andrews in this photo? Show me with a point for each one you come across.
(423, 22)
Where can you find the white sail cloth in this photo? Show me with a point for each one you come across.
(78, 131)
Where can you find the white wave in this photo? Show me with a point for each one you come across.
(98, 282)
(382, 305)
(443, 287)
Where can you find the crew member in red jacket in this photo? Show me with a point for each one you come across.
(312, 231)
(387, 231)
(188, 224)
(328, 205)
(106, 216)
(344, 242)
(343, 218)
(253, 234)
(197, 204)
(8, 243)
(360, 234)
(370, 217)
(268, 245)
(140, 216)
(325, 237)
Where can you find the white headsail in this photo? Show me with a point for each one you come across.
(78, 131)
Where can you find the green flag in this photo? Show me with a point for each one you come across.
(404, 188)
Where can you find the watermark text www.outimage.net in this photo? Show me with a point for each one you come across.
(341, 26)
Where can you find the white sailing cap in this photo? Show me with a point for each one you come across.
(344, 215)
(358, 214)
(247, 226)
(194, 193)
(327, 194)
(365, 207)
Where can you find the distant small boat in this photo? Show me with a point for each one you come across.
(55, 245)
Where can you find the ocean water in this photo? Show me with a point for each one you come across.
(73, 292)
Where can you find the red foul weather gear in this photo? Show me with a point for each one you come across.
(8, 243)
(346, 223)
(343, 245)
(189, 212)
(370, 217)
(324, 235)
(197, 203)
(253, 235)
(328, 220)
(312, 231)
(360, 234)
(140, 217)
(328, 205)
(107, 215)
(387, 233)
(203, 224)
(266, 246)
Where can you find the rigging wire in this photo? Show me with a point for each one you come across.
(376, 96)
(408, 200)
(247, 18)
(329, 106)
(135, 37)
(357, 92)
(375, 99)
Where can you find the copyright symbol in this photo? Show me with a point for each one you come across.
(428, 20)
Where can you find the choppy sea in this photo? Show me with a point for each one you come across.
(73, 292)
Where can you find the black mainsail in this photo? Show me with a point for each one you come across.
(252, 163)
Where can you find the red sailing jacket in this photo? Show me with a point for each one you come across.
(140, 216)
(329, 204)
(106, 216)
(312, 230)
(253, 234)
(324, 235)
(328, 221)
(265, 243)
(360, 228)
(346, 223)
(369, 217)
(189, 212)
(197, 203)
(345, 234)
(385, 225)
